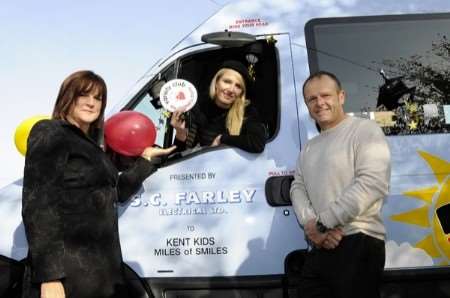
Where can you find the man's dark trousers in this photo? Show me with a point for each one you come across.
(353, 269)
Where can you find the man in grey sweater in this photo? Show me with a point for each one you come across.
(341, 180)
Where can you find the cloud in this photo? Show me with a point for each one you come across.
(405, 256)
(348, 2)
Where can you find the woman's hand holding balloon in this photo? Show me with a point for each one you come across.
(151, 152)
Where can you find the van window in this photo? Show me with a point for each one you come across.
(199, 69)
(412, 94)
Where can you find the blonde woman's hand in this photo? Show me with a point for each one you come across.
(216, 141)
(52, 289)
(177, 121)
(151, 152)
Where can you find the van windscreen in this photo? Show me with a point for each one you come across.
(412, 95)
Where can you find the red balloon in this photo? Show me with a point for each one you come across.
(129, 133)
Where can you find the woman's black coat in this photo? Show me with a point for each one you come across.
(69, 209)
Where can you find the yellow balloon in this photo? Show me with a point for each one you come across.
(23, 131)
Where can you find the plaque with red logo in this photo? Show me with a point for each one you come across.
(178, 94)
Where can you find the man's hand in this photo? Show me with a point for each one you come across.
(52, 289)
(334, 237)
(328, 240)
(316, 237)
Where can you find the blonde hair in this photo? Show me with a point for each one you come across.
(235, 116)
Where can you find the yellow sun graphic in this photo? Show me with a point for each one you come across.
(435, 213)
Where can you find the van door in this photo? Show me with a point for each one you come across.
(205, 213)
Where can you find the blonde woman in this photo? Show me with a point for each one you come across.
(226, 118)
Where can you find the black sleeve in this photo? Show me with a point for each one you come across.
(131, 179)
(194, 119)
(181, 146)
(42, 187)
(253, 134)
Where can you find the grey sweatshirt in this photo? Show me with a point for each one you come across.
(342, 178)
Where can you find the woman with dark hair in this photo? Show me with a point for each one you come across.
(70, 195)
(226, 117)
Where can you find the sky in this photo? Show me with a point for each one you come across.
(42, 42)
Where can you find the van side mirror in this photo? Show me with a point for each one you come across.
(154, 94)
(278, 190)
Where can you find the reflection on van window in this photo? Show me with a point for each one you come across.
(147, 102)
(156, 115)
(412, 94)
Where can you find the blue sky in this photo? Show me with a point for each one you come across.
(41, 42)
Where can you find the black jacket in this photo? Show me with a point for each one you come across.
(207, 121)
(69, 209)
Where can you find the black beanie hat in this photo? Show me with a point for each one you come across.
(240, 68)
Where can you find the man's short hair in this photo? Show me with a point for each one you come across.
(319, 74)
